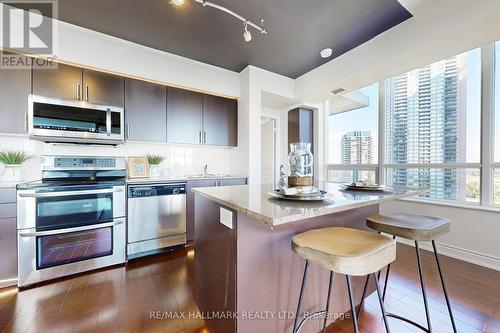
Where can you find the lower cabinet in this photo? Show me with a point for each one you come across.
(234, 181)
(8, 248)
(8, 237)
(190, 198)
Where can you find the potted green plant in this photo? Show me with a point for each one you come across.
(154, 161)
(12, 160)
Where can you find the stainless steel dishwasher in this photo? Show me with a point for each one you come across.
(156, 218)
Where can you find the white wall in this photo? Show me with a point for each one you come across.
(86, 47)
(474, 235)
(268, 151)
(253, 82)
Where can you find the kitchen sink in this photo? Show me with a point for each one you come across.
(209, 175)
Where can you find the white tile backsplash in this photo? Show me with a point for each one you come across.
(181, 159)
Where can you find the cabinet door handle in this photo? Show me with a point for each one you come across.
(204, 137)
(87, 93)
(26, 121)
(127, 131)
(199, 137)
(78, 95)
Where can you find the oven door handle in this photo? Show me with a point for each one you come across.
(68, 193)
(66, 231)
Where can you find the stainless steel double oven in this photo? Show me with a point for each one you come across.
(73, 220)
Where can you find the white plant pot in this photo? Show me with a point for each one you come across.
(12, 173)
(154, 171)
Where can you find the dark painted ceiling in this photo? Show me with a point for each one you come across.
(297, 29)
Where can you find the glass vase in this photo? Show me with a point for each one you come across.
(300, 160)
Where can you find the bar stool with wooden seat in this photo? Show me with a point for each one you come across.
(416, 228)
(346, 251)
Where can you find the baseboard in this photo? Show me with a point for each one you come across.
(8, 282)
(459, 253)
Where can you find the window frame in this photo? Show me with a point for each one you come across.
(486, 164)
(488, 138)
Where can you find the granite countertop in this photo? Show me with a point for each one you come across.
(14, 184)
(253, 200)
(180, 179)
(8, 184)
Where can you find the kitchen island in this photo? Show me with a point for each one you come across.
(247, 277)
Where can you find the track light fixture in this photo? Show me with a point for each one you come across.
(247, 35)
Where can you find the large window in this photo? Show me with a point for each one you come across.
(353, 136)
(433, 128)
(438, 130)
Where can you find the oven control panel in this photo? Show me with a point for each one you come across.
(91, 163)
(84, 162)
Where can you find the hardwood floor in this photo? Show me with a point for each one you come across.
(120, 299)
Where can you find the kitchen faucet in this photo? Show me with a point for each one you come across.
(205, 169)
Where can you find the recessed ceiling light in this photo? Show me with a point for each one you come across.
(177, 2)
(326, 53)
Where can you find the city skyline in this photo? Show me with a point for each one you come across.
(445, 98)
(425, 123)
(357, 148)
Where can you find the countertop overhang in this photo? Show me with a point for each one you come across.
(254, 201)
(152, 180)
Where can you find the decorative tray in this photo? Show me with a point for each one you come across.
(375, 187)
(307, 197)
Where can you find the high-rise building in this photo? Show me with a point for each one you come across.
(357, 148)
(426, 111)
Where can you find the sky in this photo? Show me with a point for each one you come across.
(363, 119)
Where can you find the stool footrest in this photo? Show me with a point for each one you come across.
(392, 315)
(309, 316)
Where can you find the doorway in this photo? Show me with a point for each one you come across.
(268, 151)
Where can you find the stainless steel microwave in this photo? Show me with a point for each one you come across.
(55, 120)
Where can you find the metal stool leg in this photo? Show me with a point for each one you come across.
(363, 295)
(378, 279)
(353, 309)
(328, 301)
(444, 287)
(302, 287)
(387, 276)
(382, 307)
(422, 285)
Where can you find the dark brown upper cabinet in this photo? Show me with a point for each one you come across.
(300, 126)
(145, 111)
(102, 88)
(74, 83)
(14, 91)
(65, 82)
(220, 121)
(184, 116)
